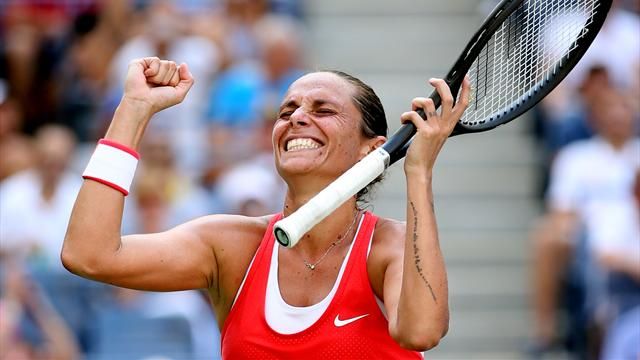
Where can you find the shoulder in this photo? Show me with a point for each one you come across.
(578, 154)
(387, 247)
(388, 240)
(389, 230)
(229, 230)
(578, 148)
(19, 184)
(632, 149)
(234, 240)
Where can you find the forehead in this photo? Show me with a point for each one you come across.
(321, 86)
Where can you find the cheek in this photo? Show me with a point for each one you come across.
(276, 133)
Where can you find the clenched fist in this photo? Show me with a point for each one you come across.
(155, 84)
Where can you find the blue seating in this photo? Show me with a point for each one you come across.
(128, 335)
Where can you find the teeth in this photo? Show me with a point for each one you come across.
(302, 144)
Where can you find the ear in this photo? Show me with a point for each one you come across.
(371, 144)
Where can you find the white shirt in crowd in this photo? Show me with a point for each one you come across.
(595, 181)
(31, 226)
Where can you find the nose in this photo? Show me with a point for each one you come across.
(299, 117)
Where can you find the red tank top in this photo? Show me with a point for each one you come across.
(247, 335)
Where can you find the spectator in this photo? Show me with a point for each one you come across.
(613, 60)
(35, 203)
(591, 189)
(622, 264)
(15, 147)
(82, 78)
(33, 42)
(21, 298)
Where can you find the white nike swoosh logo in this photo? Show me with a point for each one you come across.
(338, 323)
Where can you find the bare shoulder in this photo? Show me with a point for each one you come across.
(234, 240)
(389, 233)
(231, 237)
(214, 228)
(387, 246)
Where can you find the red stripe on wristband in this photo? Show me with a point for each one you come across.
(120, 147)
(107, 183)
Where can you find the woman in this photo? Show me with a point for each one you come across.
(355, 286)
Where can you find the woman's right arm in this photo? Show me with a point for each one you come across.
(179, 259)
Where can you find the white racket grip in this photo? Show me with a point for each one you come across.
(289, 230)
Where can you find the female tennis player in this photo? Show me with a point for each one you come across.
(356, 286)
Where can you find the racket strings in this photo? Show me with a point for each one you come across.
(529, 48)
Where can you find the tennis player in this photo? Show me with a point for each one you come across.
(355, 287)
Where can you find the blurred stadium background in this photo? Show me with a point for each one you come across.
(62, 64)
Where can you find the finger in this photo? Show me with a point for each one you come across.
(414, 118)
(445, 95)
(162, 77)
(152, 65)
(428, 107)
(418, 103)
(186, 80)
(172, 69)
(175, 79)
(465, 94)
(430, 110)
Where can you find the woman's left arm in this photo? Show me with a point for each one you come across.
(415, 281)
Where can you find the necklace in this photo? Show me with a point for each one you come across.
(312, 266)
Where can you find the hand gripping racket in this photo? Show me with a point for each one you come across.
(520, 53)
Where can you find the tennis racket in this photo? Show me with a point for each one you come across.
(520, 53)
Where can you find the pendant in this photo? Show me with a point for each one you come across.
(311, 266)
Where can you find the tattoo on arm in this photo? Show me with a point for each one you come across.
(416, 255)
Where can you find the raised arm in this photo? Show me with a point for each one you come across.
(181, 258)
(415, 282)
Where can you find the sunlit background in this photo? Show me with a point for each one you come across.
(527, 279)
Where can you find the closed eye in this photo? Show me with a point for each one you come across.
(325, 112)
(285, 115)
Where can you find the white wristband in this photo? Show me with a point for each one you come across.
(113, 165)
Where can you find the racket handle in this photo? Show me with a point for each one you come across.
(290, 230)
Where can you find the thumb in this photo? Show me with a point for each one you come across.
(186, 80)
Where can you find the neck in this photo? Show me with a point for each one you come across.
(301, 189)
(48, 189)
(315, 242)
(617, 143)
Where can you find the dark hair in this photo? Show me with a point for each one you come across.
(374, 120)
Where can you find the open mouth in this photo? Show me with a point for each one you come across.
(300, 144)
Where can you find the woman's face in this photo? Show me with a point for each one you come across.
(318, 129)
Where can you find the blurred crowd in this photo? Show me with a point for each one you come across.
(62, 67)
(586, 247)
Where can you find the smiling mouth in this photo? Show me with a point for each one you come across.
(300, 144)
